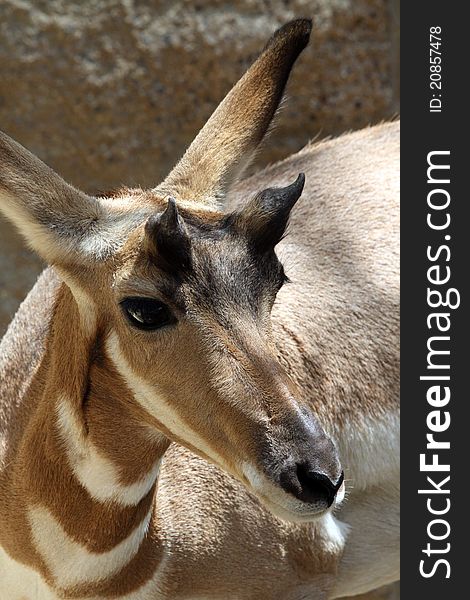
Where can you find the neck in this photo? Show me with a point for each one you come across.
(85, 470)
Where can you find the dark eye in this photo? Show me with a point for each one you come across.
(146, 313)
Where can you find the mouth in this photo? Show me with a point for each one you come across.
(301, 514)
(286, 505)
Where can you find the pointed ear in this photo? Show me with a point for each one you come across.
(265, 217)
(59, 222)
(228, 141)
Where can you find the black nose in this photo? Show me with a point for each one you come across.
(308, 485)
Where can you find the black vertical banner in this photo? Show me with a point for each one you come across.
(435, 315)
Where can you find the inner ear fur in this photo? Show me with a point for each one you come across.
(56, 220)
(59, 222)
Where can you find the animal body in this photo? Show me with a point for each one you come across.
(184, 386)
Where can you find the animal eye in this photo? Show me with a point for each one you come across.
(146, 313)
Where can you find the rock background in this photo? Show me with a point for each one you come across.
(110, 92)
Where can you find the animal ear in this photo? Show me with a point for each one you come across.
(264, 219)
(58, 221)
(228, 141)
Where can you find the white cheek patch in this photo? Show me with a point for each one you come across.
(96, 473)
(72, 564)
(154, 403)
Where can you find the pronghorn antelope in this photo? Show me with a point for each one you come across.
(171, 430)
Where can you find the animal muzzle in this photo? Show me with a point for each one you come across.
(308, 485)
(311, 473)
(301, 475)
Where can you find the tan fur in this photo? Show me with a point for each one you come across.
(209, 396)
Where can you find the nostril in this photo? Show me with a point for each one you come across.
(309, 485)
(315, 486)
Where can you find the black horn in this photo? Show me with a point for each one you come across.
(168, 233)
(264, 219)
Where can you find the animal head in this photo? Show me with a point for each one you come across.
(181, 292)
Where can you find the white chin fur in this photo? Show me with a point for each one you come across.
(340, 495)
